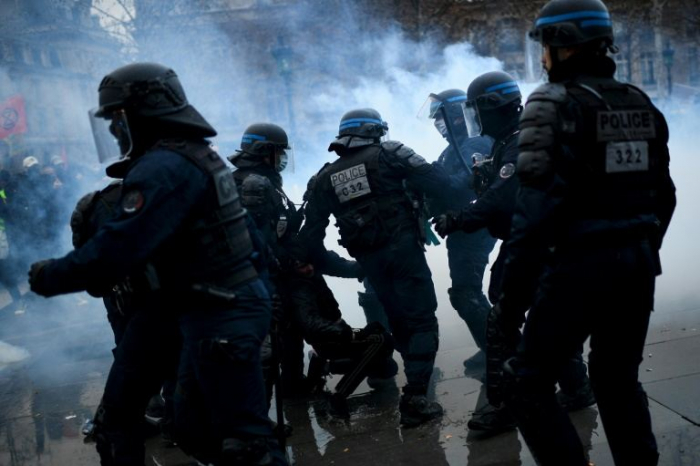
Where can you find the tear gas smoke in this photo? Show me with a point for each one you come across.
(241, 73)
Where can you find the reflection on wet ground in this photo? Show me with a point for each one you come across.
(47, 394)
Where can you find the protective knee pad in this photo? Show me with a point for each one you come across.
(466, 298)
(423, 345)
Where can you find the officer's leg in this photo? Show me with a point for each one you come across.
(409, 297)
(137, 373)
(372, 306)
(550, 336)
(575, 389)
(226, 353)
(468, 255)
(617, 345)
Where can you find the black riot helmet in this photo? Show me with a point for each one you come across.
(566, 23)
(364, 123)
(263, 143)
(493, 100)
(145, 102)
(445, 109)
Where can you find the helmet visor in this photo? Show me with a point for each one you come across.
(472, 119)
(430, 108)
(112, 136)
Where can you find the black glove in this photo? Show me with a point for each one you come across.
(447, 223)
(35, 275)
(371, 329)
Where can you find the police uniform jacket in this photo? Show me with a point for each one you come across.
(593, 166)
(365, 189)
(180, 213)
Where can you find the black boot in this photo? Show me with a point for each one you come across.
(417, 409)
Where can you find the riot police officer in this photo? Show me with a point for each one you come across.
(596, 191)
(467, 253)
(493, 107)
(180, 217)
(264, 153)
(365, 190)
(147, 348)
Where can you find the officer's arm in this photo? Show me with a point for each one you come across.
(428, 178)
(539, 199)
(159, 193)
(336, 266)
(313, 232)
(666, 203)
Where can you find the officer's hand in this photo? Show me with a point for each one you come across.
(446, 223)
(35, 275)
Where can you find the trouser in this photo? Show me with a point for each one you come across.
(144, 358)
(371, 306)
(607, 293)
(468, 255)
(403, 282)
(572, 373)
(220, 402)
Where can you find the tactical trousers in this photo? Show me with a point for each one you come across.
(144, 358)
(468, 255)
(403, 282)
(220, 393)
(606, 293)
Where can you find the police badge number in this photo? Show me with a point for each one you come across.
(351, 183)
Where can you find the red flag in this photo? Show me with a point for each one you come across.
(13, 119)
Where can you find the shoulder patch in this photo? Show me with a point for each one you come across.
(507, 171)
(132, 202)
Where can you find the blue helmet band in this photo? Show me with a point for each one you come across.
(503, 88)
(591, 18)
(251, 138)
(357, 122)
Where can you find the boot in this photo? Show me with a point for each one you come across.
(475, 364)
(417, 409)
(583, 397)
(490, 420)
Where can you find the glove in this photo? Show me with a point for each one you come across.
(371, 329)
(35, 275)
(446, 223)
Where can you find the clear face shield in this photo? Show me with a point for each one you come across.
(472, 119)
(430, 108)
(112, 136)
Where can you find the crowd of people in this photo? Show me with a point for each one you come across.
(213, 279)
(36, 194)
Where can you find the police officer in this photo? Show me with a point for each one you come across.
(596, 190)
(180, 216)
(147, 348)
(493, 108)
(467, 253)
(365, 190)
(264, 153)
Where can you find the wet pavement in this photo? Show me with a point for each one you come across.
(47, 394)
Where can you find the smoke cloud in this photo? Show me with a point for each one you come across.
(241, 74)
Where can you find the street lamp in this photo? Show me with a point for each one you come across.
(283, 57)
(667, 55)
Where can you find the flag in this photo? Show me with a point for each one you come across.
(13, 119)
